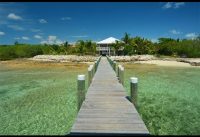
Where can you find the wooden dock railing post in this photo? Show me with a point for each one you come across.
(95, 64)
(81, 90)
(122, 75)
(92, 70)
(134, 88)
(114, 65)
(118, 71)
(89, 75)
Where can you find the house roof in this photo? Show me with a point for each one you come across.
(109, 40)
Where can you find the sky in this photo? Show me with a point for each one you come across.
(57, 22)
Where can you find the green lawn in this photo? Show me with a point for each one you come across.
(168, 98)
(38, 99)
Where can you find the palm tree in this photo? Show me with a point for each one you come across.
(66, 44)
(117, 46)
(126, 38)
(81, 46)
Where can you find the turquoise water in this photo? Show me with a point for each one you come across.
(168, 98)
(41, 100)
(38, 100)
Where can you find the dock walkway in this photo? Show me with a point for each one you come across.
(106, 110)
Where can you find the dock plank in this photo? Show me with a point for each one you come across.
(106, 108)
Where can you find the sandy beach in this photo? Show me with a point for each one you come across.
(49, 60)
(150, 59)
(166, 63)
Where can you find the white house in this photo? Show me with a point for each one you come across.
(104, 46)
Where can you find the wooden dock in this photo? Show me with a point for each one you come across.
(106, 110)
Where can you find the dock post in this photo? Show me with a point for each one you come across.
(92, 70)
(95, 64)
(118, 71)
(134, 88)
(122, 75)
(89, 75)
(81, 90)
(114, 65)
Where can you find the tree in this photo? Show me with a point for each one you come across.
(128, 49)
(117, 46)
(126, 38)
(141, 46)
(198, 38)
(66, 44)
(81, 46)
(88, 45)
(165, 40)
(16, 42)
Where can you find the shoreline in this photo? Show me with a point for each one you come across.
(136, 59)
(166, 63)
(161, 61)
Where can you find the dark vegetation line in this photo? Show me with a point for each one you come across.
(130, 46)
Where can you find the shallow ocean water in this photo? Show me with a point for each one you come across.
(168, 98)
(40, 98)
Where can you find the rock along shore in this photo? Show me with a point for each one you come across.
(133, 58)
(64, 58)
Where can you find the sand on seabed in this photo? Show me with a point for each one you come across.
(166, 63)
(29, 63)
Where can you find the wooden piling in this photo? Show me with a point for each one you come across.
(89, 75)
(134, 88)
(81, 90)
(114, 65)
(118, 71)
(95, 66)
(122, 75)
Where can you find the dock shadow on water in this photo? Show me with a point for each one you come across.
(38, 98)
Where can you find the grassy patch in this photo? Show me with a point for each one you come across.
(167, 98)
(38, 100)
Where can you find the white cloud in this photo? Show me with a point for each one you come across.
(14, 16)
(178, 4)
(174, 5)
(167, 5)
(44, 42)
(80, 36)
(15, 27)
(191, 35)
(175, 32)
(66, 18)
(35, 30)
(72, 42)
(52, 40)
(59, 42)
(42, 21)
(25, 38)
(154, 40)
(38, 37)
(2, 33)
